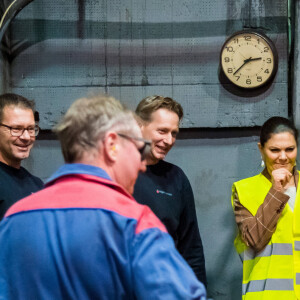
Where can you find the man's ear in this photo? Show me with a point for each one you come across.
(139, 121)
(111, 146)
(143, 125)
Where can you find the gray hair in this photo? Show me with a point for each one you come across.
(86, 123)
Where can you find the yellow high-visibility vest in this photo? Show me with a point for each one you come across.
(273, 273)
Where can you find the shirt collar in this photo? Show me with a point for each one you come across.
(69, 169)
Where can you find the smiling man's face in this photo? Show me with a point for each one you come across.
(162, 130)
(14, 149)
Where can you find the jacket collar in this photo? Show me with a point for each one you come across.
(72, 169)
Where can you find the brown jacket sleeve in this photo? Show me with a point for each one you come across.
(256, 231)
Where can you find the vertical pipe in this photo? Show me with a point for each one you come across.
(9, 14)
(4, 74)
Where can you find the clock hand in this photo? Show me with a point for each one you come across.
(253, 59)
(245, 62)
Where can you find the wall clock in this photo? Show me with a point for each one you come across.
(249, 59)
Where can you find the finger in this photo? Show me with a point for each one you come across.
(281, 173)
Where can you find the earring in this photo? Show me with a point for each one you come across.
(262, 164)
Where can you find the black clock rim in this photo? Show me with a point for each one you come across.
(270, 43)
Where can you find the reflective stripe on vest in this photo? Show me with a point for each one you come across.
(268, 285)
(297, 245)
(273, 249)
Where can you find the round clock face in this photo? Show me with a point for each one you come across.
(249, 59)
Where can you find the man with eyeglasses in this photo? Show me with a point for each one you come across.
(84, 236)
(17, 135)
(164, 187)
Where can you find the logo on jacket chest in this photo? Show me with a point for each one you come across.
(163, 192)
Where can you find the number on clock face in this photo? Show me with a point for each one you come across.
(248, 60)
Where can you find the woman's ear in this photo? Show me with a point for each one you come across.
(260, 148)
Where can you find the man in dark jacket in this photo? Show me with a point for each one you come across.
(164, 187)
(18, 131)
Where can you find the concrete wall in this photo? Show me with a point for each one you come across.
(62, 50)
(133, 48)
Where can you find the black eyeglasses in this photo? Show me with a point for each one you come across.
(144, 150)
(18, 131)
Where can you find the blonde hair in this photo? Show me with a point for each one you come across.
(151, 104)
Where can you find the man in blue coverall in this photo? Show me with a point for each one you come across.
(84, 236)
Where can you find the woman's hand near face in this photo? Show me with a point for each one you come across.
(281, 179)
